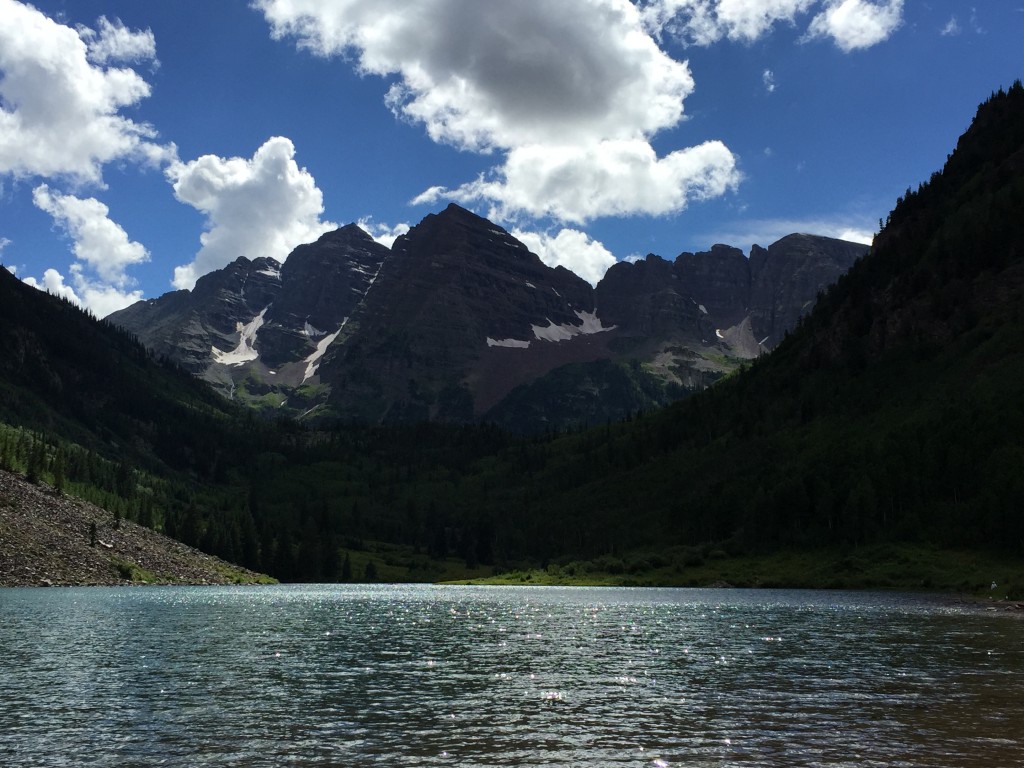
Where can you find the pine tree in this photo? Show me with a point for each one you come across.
(59, 470)
(36, 459)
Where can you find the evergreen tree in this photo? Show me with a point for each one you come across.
(58, 470)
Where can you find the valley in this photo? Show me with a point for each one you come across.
(885, 424)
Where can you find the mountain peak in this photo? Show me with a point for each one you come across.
(348, 233)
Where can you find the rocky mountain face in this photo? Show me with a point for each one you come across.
(460, 303)
(460, 322)
(256, 330)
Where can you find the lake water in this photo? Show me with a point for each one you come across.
(465, 676)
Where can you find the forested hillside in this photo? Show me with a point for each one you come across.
(893, 413)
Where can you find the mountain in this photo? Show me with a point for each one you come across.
(462, 311)
(677, 327)
(68, 375)
(256, 330)
(893, 412)
(463, 324)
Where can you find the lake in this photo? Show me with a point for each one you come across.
(496, 676)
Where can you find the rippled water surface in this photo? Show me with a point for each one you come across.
(463, 676)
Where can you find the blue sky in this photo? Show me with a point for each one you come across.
(143, 144)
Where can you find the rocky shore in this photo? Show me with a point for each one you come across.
(46, 540)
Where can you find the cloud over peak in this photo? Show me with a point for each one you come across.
(578, 183)
(570, 93)
(262, 206)
(571, 249)
(487, 76)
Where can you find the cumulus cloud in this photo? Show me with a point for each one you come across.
(98, 298)
(60, 105)
(99, 281)
(100, 243)
(4, 242)
(383, 233)
(579, 183)
(553, 87)
(851, 24)
(703, 22)
(53, 282)
(952, 27)
(101, 298)
(768, 78)
(262, 206)
(855, 24)
(571, 249)
(115, 42)
(495, 75)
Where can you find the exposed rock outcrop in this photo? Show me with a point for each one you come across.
(46, 540)
(459, 313)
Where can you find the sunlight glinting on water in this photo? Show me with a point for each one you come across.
(412, 675)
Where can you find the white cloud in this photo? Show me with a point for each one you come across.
(99, 242)
(615, 178)
(53, 282)
(98, 298)
(855, 235)
(553, 87)
(4, 242)
(571, 249)
(115, 42)
(768, 78)
(952, 27)
(851, 24)
(855, 24)
(497, 75)
(100, 245)
(59, 107)
(382, 233)
(263, 206)
(703, 22)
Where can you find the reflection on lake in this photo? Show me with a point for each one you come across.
(494, 676)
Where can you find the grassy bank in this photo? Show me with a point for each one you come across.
(884, 566)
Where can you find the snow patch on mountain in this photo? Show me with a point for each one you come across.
(590, 324)
(510, 343)
(313, 361)
(246, 350)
